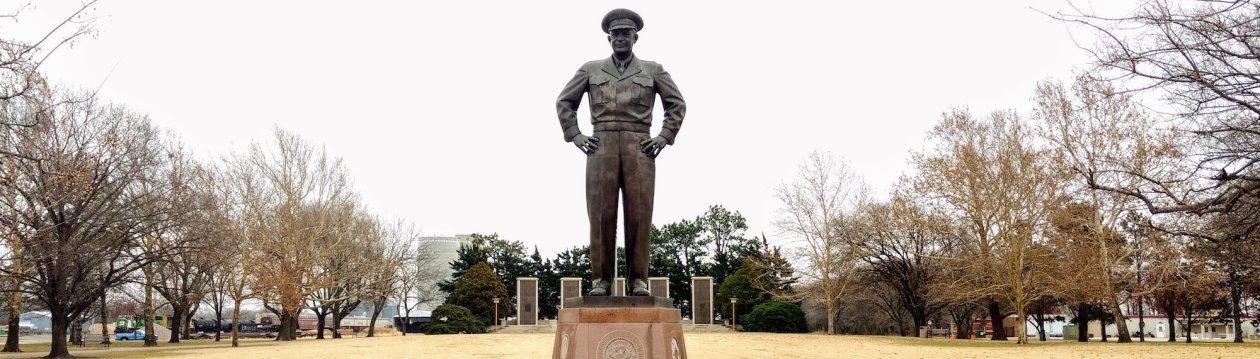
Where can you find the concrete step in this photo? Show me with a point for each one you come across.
(702, 328)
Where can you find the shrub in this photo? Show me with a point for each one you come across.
(454, 319)
(775, 317)
(439, 328)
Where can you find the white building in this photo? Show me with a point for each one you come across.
(447, 251)
(1156, 328)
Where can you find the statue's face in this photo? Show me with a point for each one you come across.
(622, 40)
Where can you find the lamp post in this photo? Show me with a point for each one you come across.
(496, 313)
(733, 300)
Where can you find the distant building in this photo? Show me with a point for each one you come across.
(37, 321)
(447, 251)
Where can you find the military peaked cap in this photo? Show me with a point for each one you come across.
(617, 19)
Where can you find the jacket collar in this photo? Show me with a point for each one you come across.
(610, 68)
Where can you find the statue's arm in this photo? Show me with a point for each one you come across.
(567, 104)
(672, 101)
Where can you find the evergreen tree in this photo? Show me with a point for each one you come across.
(678, 253)
(548, 285)
(506, 258)
(723, 231)
(476, 290)
(573, 262)
(747, 286)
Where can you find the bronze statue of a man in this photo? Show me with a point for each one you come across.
(620, 154)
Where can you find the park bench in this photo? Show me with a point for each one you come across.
(943, 333)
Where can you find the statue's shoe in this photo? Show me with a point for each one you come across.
(639, 288)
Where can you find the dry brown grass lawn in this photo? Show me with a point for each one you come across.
(700, 346)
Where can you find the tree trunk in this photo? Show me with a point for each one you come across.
(1082, 331)
(340, 312)
(1021, 330)
(1141, 319)
(376, 312)
(236, 320)
(996, 317)
(176, 321)
(150, 338)
(319, 326)
(295, 324)
(15, 319)
(60, 322)
(962, 324)
(918, 317)
(336, 326)
(831, 316)
(1189, 322)
(1122, 325)
(188, 320)
(286, 326)
(76, 330)
(1235, 296)
(15, 315)
(1172, 326)
(218, 322)
(15, 297)
(406, 316)
(104, 318)
(1041, 326)
(901, 327)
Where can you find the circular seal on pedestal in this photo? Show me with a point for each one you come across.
(564, 346)
(620, 344)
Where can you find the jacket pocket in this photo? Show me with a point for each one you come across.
(600, 89)
(643, 90)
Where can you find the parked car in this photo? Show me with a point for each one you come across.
(131, 335)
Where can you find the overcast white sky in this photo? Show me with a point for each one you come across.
(445, 110)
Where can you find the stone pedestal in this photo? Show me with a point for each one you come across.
(619, 328)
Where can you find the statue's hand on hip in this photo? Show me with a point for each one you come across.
(653, 146)
(587, 144)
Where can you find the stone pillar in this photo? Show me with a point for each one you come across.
(527, 301)
(619, 287)
(659, 286)
(570, 287)
(702, 300)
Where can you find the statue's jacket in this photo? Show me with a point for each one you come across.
(621, 101)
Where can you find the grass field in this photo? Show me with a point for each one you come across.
(699, 346)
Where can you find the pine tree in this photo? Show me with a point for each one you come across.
(476, 290)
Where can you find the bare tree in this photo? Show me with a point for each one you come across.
(819, 210)
(1202, 59)
(293, 211)
(987, 174)
(345, 262)
(82, 205)
(181, 274)
(904, 252)
(387, 258)
(421, 272)
(1095, 131)
(236, 189)
(20, 61)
